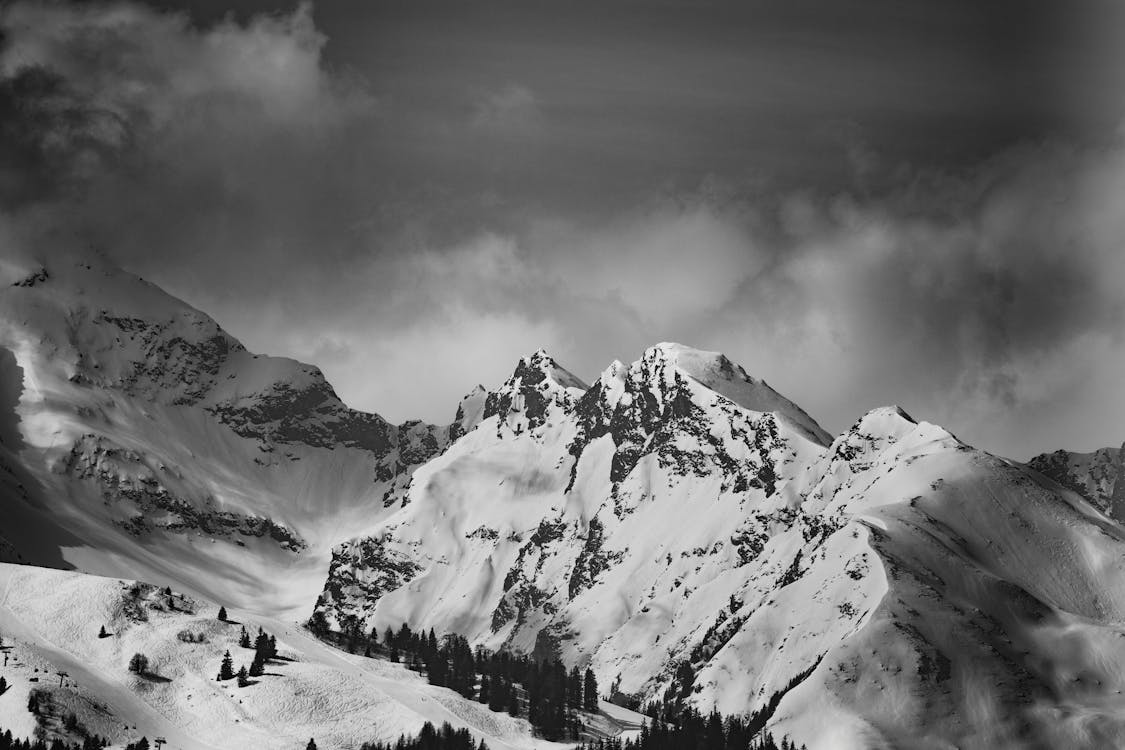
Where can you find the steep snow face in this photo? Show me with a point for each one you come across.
(1099, 476)
(896, 588)
(1003, 599)
(51, 620)
(616, 525)
(718, 373)
(470, 412)
(138, 438)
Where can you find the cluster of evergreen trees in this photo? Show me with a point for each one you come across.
(550, 696)
(8, 742)
(40, 705)
(675, 726)
(543, 691)
(431, 738)
(715, 734)
(265, 648)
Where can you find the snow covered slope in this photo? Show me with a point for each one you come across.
(1097, 476)
(690, 534)
(50, 621)
(139, 439)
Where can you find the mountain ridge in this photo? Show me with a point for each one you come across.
(677, 525)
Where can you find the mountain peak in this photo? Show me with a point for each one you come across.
(540, 365)
(716, 371)
(538, 385)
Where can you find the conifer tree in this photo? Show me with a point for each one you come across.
(311, 745)
(590, 692)
(226, 669)
(483, 696)
(3, 686)
(244, 638)
(257, 667)
(102, 633)
(574, 689)
(222, 614)
(243, 681)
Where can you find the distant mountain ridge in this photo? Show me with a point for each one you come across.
(1098, 476)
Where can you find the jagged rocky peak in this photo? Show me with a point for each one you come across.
(538, 388)
(664, 367)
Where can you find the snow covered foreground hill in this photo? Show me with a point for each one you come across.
(50, 621)
(678, 526)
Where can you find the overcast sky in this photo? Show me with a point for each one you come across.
(862, 201)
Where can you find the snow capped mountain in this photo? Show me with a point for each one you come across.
(690, 534)
(1099, 476)
(678, 526)
(141, 439)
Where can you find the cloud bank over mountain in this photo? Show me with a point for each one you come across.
(324, 211)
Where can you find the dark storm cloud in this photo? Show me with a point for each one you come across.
(830, 192)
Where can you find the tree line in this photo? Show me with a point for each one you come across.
(549, 696)
(8, 742)
(431, 738)
(552, 697)
(697, 732)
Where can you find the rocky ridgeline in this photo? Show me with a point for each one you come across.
(138, 494)
(1099, 476)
